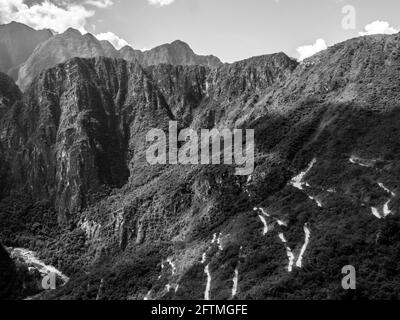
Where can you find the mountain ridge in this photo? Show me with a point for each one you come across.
(324, 192)
(62, 47)
(17, 43)
(175, 53)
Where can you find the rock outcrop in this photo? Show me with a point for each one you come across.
(9, 93)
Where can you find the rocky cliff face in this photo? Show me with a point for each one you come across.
(17, 43)
(324, 193)
(83, 123)
(79, 114)
(9, 93)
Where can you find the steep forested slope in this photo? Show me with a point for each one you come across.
(324, 193)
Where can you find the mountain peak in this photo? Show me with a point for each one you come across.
(72, 31)
(15, 23)
(17, 42)
(126, 48)
(18, 26)
(180, 43)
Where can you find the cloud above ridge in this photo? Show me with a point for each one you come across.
(116, 41)
(309, 50)
(378, 27)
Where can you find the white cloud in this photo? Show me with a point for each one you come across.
(116, 41)
(378, 27)
(100, 3)
(57, 15)
(309, 50)
(161, 3)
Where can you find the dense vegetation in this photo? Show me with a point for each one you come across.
(167, 223)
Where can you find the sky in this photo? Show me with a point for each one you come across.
(230, 29)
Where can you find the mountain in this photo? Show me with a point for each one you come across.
(112, 106)
(130, 54)
(175, 53)
(323, 194)
(17, 43)
(9, 93)
(70, 44)
(61, 48)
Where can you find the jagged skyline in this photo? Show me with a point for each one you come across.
(247, 29)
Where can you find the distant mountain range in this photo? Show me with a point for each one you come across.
(17, 43)
(25, 52)
(175, 53)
